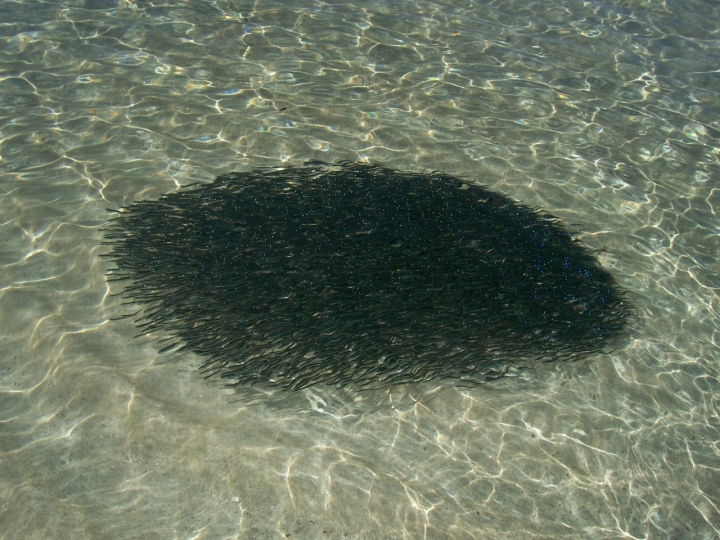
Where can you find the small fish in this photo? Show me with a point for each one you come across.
(360, 275)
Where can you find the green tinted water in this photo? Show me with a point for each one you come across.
(603, 114)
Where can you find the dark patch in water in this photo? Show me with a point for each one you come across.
(358, 274)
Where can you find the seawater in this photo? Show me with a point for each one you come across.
(604, 114)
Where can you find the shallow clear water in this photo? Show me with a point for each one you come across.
(605, 114)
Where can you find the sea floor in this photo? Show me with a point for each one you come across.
(605, 115)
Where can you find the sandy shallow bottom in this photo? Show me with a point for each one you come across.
(603, 115)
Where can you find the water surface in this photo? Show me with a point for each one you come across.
(605, 114)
